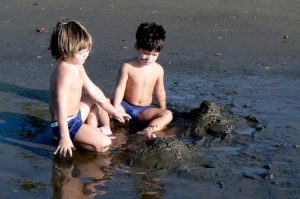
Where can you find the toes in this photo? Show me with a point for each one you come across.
(151, 135)
(105, 130)
(147, 134)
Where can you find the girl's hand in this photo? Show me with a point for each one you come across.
(64, 147)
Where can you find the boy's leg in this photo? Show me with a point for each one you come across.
(157, 119)
(90, 139)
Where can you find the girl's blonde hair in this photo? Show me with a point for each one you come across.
(69, 37)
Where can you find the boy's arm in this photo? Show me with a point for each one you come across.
(95, 92)
(160, 91)
(65, 145)
(121, 86)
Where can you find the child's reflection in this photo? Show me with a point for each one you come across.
(82, 176)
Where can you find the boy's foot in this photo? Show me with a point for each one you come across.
(148, 132)
(105, 131)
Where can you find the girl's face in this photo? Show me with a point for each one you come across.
(81, 56)
(147, 57)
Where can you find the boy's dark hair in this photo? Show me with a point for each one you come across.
(150, 36)
(69, 37)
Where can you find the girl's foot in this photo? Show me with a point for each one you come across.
(106, 131)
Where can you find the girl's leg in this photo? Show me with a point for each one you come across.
(104, 121)
(92, 118)
(93, 115)
(86, 105)
(90, 139)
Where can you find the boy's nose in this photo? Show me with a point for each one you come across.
(149, 57)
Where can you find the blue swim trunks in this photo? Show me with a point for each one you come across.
(133, 110)
(74, 124)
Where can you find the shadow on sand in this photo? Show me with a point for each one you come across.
(41, 95)
(26, 130)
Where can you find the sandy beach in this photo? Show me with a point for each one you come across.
(243, 55)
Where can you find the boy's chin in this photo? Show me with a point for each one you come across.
(146, 62)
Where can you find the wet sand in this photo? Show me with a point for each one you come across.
(241, 54)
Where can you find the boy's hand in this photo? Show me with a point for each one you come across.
(64, 147)
(121, 117)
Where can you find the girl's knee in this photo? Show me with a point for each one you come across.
(92, 120)
(103, 145)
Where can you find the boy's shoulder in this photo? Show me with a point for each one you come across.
(133, 62)
(130, 62)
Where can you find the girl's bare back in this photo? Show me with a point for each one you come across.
(65, 86)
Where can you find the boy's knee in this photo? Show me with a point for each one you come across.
(168, 115)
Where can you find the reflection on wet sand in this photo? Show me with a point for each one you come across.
(151, 188)
(91, 174)
(82, 176)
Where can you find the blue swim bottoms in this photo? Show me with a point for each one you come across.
(133, 110)
(74, 124)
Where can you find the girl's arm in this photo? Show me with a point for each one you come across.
(96, 93)
(64, 80)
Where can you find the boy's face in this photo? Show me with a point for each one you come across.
(81, 56)
(147, 57)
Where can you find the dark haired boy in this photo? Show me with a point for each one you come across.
(142, 76)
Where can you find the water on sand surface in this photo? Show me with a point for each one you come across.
(264, 163)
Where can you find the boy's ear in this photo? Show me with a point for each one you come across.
(136, 46)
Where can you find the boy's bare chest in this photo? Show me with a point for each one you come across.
(142, 77)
